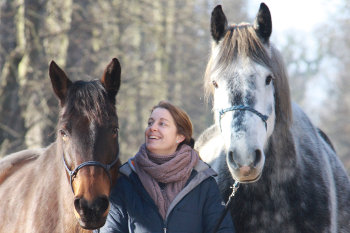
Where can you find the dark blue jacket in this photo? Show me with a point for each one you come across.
(196, 209)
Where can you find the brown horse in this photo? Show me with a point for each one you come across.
(65, 187)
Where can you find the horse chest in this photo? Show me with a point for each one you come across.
(276, 212)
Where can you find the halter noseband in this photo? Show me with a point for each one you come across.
(106, 167)
(243, 108)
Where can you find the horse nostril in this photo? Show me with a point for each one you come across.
(230, 156)
(231, 160)
(78, 204)
(97, 208)
(101, 204)
(257, 157)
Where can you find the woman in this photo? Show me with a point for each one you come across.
(165, 187)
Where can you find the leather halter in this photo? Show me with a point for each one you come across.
(243, 108)
(106, 167)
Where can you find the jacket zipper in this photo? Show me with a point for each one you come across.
(144, 193)
(164, 227)
(165, 230)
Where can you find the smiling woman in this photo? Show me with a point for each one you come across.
(161, 134)
(165, 186)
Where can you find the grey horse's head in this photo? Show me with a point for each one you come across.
(242, 77)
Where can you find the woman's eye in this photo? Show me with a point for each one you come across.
(215, 84)
(149, 123)
(268, 80)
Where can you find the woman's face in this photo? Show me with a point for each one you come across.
(161, 133)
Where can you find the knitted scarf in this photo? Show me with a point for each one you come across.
(172, 170)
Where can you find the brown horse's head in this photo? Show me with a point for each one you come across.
(88, 140)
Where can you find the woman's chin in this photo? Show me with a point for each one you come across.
(154, 149)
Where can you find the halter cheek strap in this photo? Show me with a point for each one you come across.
(106, 167)
(243, 108)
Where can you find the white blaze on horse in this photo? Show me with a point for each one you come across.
(291, 179)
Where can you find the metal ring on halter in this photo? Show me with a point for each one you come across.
(243, 108)
(73, 173)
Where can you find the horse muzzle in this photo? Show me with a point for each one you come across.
(246, 167)
(91, 215)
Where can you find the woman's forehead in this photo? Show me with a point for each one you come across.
(161, 113)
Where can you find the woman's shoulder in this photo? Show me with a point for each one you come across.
(202, 175)
(126, 178)
(203, 168)
(127, 168)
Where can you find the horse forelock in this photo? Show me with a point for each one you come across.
(242, 41)
(88, 99)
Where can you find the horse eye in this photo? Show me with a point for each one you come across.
(215, 84)
(115, 130)
(64, 135)
(268, 80)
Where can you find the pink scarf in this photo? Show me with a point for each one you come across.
(174, 172)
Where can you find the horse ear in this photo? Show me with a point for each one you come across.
(263, 23)
(60, 82)
(218, 23)
(111, 78)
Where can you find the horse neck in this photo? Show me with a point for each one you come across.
(280, 162)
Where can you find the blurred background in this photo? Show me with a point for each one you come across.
(163, 47)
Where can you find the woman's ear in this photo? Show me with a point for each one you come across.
(180, 138)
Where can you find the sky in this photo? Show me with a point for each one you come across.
(301, 15)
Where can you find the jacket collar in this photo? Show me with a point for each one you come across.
(200, 172)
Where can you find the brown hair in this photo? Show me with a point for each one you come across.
(182, 120)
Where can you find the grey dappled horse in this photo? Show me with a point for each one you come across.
(291, 179)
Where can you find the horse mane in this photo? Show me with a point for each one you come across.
(242, 41)
(89, 99)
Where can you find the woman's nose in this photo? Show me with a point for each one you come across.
(153, 127)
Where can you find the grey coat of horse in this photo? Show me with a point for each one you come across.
(291, 179)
